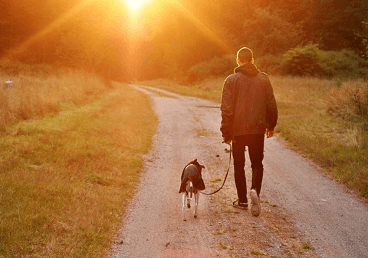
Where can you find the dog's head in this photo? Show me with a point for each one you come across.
(196, 163)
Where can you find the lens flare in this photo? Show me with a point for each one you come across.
(134, 5)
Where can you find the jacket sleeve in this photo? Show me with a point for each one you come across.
(227, 109)
(272, 111)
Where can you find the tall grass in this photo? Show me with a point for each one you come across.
(324, 119)
(40, 91)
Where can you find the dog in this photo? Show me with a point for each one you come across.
(191, 183)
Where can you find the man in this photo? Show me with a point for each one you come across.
(248, 111)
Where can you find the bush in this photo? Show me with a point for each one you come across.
(217, 66)
(344, 63)
(302, 61)
(269, 63)
(309, 60)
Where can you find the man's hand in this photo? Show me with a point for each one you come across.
(227, 139)
(269, 133)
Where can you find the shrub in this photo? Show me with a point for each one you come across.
(309, 60)
(269, 63)
(302, 61)
(217, 66)
(344, 63)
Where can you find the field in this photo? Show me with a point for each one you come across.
(67, 173)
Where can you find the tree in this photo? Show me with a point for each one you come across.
(339, 24)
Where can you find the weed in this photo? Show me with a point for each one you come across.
(218, 232)
(300, 251)
(256, 252)
(223, 246)
(216, 179)
(205, 132)
(306, 245)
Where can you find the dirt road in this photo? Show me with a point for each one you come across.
(304, 214)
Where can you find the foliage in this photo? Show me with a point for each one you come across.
(338, 24)
(217, 66)
(302, 61)
(344, 64)
(269, 63)
(309, 60)
(269, 33)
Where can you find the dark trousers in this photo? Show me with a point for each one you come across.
(255, 143)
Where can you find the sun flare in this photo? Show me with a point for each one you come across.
(136, 4)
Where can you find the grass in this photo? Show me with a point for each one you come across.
(65, 178)
(256, 252)
(34, 96)
(306, 245)
(332, 135)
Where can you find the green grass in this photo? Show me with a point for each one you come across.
(338, 144)
(66, 178)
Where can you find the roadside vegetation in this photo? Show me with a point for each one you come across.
(71, 156)
(325, 119)
(41, 89)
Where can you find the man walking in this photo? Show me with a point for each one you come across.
(249, 111)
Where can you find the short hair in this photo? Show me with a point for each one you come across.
(245, 55)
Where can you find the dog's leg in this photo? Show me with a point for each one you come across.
(184, 197)
(196, 197)
(189, 192)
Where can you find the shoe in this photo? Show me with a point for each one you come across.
(256, 205)
(240, 205)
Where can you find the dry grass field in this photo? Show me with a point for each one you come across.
(37, 94)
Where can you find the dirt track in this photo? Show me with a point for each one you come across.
(299, 205)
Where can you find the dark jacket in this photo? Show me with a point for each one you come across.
(248, 104)
(193, 172)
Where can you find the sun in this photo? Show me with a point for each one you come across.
(134, 5)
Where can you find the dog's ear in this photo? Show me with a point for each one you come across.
(194, 162)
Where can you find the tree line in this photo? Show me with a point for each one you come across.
(167, 38)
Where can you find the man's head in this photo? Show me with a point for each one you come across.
(244, 56)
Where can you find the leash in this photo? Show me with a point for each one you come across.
(227, 172)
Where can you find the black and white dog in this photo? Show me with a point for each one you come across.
(191, 183)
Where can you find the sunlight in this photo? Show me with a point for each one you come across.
(134, 5)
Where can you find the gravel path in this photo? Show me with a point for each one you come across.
(299, 205)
